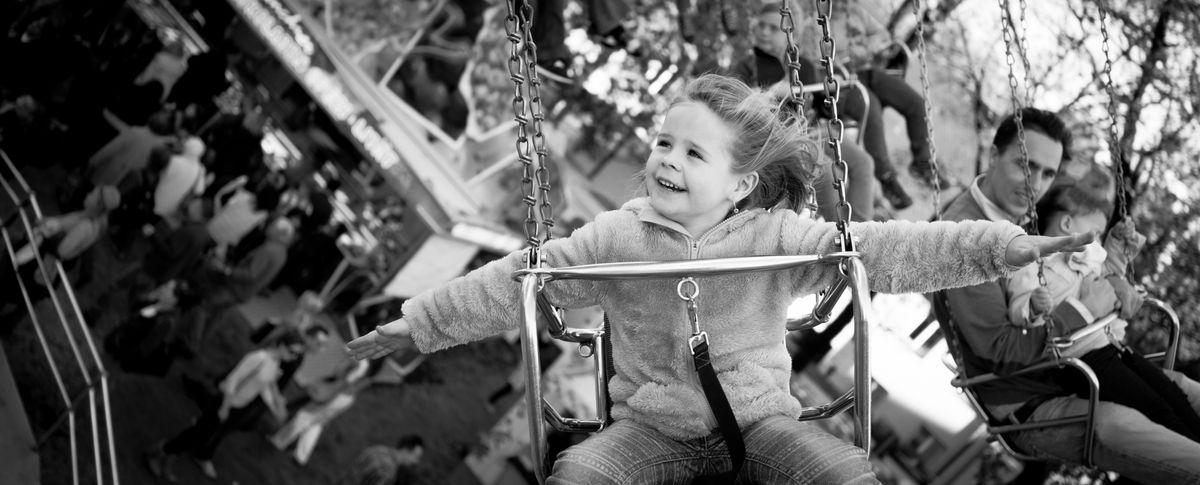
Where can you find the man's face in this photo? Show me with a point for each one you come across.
(1005, 182)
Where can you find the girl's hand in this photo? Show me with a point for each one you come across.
(1027, 249)
(384, 340)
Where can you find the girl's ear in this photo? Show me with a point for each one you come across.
(745, 185)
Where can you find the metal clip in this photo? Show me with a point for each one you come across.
(696, 340)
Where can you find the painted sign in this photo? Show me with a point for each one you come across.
(284, 32)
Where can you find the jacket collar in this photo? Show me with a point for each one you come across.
(646, 213)
(990, 210)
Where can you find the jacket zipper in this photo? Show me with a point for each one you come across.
(695, 243)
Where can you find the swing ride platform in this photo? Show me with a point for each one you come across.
(18, 449)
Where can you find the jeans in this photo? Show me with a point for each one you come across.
(887, 91)
(779, 450)
(1127, 442)
(1128, 379)
(860, 189)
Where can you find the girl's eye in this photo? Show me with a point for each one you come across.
(695, 154)
(664, 143)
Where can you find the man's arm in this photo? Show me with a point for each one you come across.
(981, 313)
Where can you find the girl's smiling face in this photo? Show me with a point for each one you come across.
(689, 176)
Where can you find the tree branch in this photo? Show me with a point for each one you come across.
(1149, 71)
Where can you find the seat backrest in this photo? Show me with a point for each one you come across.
(954, 342)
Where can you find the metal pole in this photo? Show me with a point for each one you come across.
(862, 361)
(533, 375)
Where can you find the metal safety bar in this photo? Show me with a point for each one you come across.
(99, 380)
(1087, 418)
(533, 279)
(1172, 351)
(679, 269)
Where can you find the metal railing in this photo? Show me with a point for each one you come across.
(85, 357)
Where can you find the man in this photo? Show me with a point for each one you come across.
(227, 286)
(1126, 441)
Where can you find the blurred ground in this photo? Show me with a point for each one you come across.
(442, 401)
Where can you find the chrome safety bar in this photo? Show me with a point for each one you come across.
(532, 280)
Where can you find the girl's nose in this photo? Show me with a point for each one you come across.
(670, 160)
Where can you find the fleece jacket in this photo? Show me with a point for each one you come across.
(744, 314)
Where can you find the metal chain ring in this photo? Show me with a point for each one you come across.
(1031, 211)
(933, 164)
(836, 128)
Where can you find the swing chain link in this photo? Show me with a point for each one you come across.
(1120, 185)
(835, 128)
(534, 93)
(1114, 143)
(1031, 210)
(933, 163)
(791, 57)
(1025, 56)
(796, 96)
(522, 61)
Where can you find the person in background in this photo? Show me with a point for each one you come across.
(1076, 293)
(239, 211)
(58, 239)
(387, 465)
(129, 152)
(227, 286)
(183, 178)
(1127, 442)
(765, 69)
(249, 388)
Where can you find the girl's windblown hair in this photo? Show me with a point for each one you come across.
(771, 139)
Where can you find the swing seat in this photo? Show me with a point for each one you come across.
(847, 80)
(999, 427)
(595, 342)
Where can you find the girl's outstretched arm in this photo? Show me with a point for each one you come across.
(1023, 250)
(384, 340)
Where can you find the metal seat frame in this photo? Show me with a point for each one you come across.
(998, 429)
(593, 342)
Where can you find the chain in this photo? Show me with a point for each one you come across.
(534, 93)
(933, 164)
(1114, 141)
(522, 62)
(835, 128)
(1025, 57)
(791, 56)
(796, 98)
(1031, 211)
(513, 31)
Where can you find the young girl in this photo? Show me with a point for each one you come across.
(726, 172)
(1125, 377)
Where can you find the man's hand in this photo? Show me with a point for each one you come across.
(384, 340)
(1039, 301)
(1027, 249)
